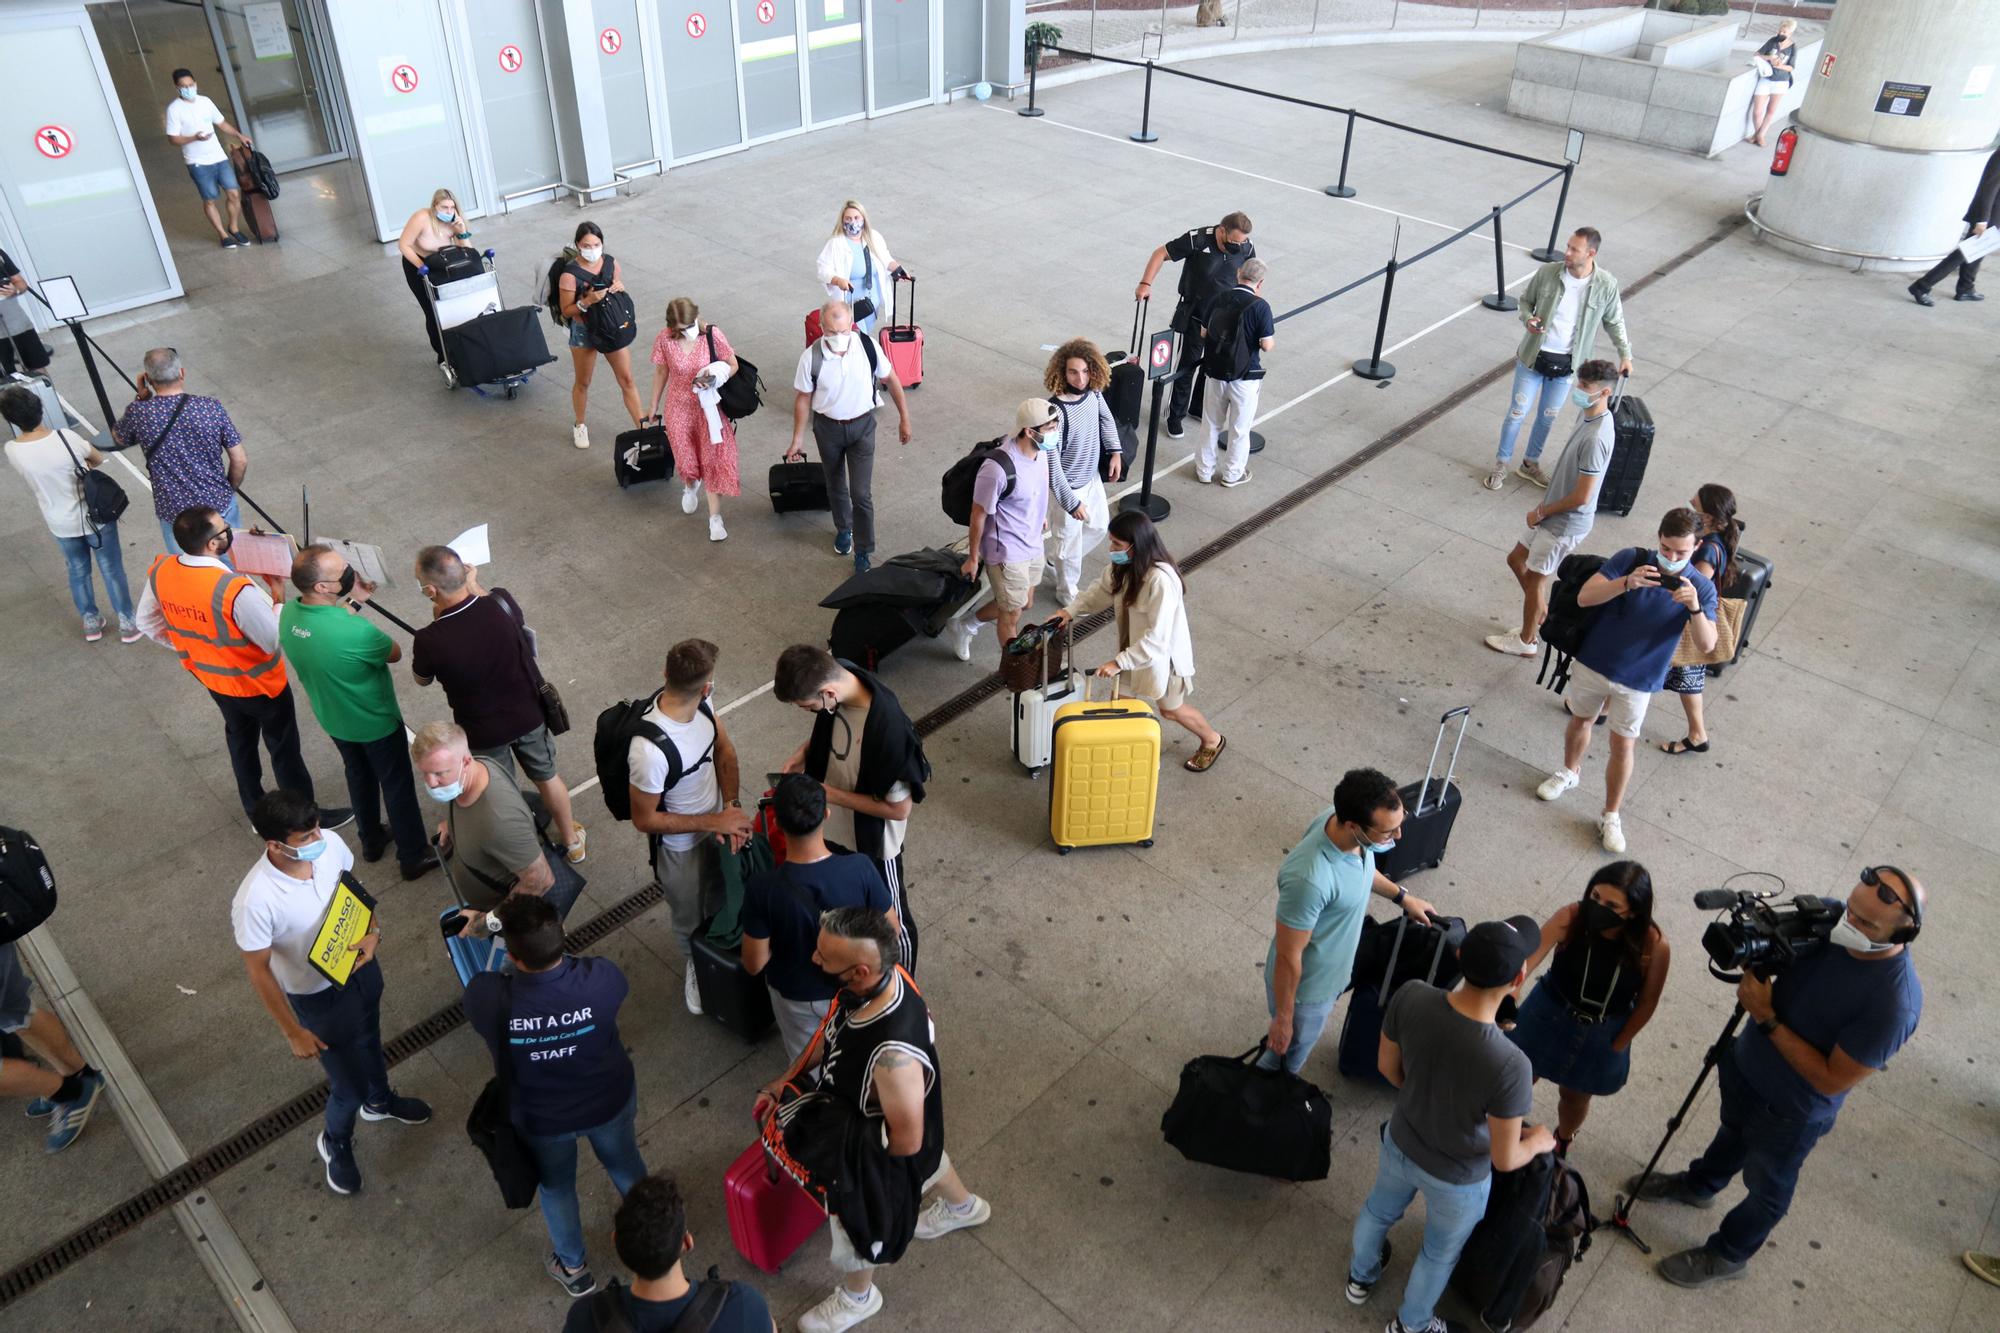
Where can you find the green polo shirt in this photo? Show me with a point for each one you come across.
(342, 661)
(1323, 890)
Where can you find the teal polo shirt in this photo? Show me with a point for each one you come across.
(1323, 890)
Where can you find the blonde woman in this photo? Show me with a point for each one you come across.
(429, 230)
(1075, 378)
(1776, 55)
(855, 263)
(688, 358)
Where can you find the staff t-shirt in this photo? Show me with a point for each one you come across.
(493, 837)
(569, 1068)
(843, 770)
(1014, 520)
(1633, 638)
(1587, 454)
(772, 911)
(1562, 320)
(743, 1312)
(192, 116)
(342, 661)
(1323, 890)
(273, 911)
(698, 792)
(1456, 1072)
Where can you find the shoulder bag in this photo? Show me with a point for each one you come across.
(555, 713)
(103, 498)
(491, 1125)
(743, 392)
(1729, 613)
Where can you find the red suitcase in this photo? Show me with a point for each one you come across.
(904, 342)
(768, 1219)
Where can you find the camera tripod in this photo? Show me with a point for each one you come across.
(1621, 1215)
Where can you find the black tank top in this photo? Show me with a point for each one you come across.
(1596, 978)
(852, 1048)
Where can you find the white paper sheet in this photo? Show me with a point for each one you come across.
(472, 546)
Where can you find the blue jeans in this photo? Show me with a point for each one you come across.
(1450, 1213)
(349, 1020)
(232, 514)
(1768, 1148)
(616, 1143)
(1308, 1021)
(77, 553)
(1532, 393)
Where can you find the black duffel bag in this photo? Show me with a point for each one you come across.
(27, 885)
(491, 1124)
(1268, 1122)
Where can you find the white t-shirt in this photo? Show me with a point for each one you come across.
(276, 912)
(843, 771)
(846, 390)
(192, 117)
(1562, 322)
(698, 792)
(51, 475)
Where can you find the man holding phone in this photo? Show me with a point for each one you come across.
(1647, 599)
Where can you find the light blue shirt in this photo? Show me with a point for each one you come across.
(861, 270)
(1324, 891)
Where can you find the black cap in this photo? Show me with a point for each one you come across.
(1494, 950)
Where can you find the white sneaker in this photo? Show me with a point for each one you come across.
(840, 1311)
(1611, 832)
(690, 498)
(1496, 478)
(1531, 471)
(939, 1218)
(692, 989)
(1557, 783)
(716, 532)
(1512, 644)
(963, 629)
(579, 435)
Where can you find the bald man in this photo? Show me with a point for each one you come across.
(1831, 1019)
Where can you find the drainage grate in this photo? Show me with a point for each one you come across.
(282, 1120)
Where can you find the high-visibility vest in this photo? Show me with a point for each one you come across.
(197, 602)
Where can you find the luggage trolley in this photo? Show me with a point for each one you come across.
(485, 343)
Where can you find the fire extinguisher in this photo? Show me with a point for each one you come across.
(1781, 160)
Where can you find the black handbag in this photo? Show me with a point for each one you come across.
(103, 498)
(1268, 1122)
(612, 323)
(491, 1125)
(743, 392)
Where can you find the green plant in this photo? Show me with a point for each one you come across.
(1041, 37)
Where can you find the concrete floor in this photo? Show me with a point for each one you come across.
(1069, 992)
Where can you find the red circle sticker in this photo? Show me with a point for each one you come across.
(766, 11)
(610, 41)
(404, 77)
(696, 25)
(54, 141)
(1163, 351)
(510, 58)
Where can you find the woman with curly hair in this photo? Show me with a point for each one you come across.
(1075, 379)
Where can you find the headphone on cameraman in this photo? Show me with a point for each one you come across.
(1872, 877)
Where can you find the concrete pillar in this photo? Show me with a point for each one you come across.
(1871, 188)
(569, 33)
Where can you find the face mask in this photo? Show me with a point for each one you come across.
(347, 580)
(447, 215)
(1379, 848)
(447, 794)
(187, 93)
(1045, 442)
(851, 228)
(310, 851)
(1232, 247)
(1121, 557)
(590, 254)
(690, 333)
(228, 540)
(1674, 566)
(1848, 936)
(1580, 398)
(1597, 918)
(837, 343)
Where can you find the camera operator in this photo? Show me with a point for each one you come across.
(1829, 1021)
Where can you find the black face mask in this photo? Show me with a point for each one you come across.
(1597, 918)
(1232, 247)
(347, 580)
(849, 1001)
(228, 540)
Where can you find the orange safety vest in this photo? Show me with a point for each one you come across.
(196, 602)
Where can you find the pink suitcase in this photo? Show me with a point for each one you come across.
(904, 342)
(768, 1218)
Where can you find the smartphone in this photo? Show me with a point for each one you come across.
(449, 926)
(1670, 582)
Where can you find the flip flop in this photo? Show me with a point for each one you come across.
(1683, 746)
(1204, 758)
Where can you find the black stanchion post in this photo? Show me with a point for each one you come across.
(391, 617)
(1031, 109)
(1374, 367)
(1499, 300)
(1343, 190)
(1156, 506)
(96, 380)
(1548, 254)
(1145, 134)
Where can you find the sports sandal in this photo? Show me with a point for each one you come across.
(1683, 746)
(1204, 758)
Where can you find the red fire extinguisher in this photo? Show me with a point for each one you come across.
(1781, 160)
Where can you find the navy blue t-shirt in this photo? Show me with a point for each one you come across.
(743, 1312)
(569, 1068)
(1866, 1007)
(773, 912)
(1633, 639)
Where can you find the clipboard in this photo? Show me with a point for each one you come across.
(350, 914)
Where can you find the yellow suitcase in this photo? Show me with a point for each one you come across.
(1104, 773)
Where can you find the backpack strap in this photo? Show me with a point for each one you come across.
(607, 1310)
(1006, 462)
(819, 356)
(710, 1294)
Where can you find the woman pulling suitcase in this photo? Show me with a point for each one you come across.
(855, 263)
(685, 360)
(429, 230)
(598, 311)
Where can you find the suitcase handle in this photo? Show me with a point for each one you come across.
(1618, 391)
(904, 275)
(1091, 679)
(1464, 715)
(1396, 950)
(1139, 309)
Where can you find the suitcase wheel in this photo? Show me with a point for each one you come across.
(1145, 842)
(513, 389)
(1062, 850)
(450, 376)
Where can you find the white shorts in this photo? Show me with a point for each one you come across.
(1546, 550)
(1589, 693)
(1770, 87)
(845, 1260)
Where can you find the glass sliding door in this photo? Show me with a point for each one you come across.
(698, 67)
(769, 55)
(277, 64)
(834, 59)
(964, 43)
(513, 79)
(899, 53)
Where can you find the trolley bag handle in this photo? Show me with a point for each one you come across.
(1618, 391)
(1396, 950)
(904, 275)
(1091, 679)
(1139, 309)
(1464, 715)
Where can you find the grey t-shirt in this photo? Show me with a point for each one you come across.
(1587, 454)
(1456, 1072)
(494, 837)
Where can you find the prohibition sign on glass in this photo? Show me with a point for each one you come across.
(610, 41)
(54, 141)
(766, 11)
(696, 25)
(404, 77)
(510, 58)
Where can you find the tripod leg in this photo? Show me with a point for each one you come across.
(1621, 1214)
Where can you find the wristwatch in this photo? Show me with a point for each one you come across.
(1401, 893)
(1768, 1026)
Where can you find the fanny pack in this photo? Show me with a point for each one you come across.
(1554, 365)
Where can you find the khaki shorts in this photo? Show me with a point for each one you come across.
(1014, 584)
(1178, 690)
(1589, 694)
(1546, 550)
(536, 751)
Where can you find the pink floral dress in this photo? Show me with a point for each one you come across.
(695, 457)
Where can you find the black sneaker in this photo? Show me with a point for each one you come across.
(1672, 1187)
(335, 816)
(231, 243)
(342, 1175)
(241, 239)
(1176, 428)
(1357, 1290)
(406, 1109)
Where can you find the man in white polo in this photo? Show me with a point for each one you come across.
(835, 384)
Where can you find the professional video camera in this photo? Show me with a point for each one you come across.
(1760, 935)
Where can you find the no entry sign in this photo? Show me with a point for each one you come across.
(610, 41)
(53, 141)
(404, 78)
(696, 25)
(1160, 355)
(766, 11)
(510, 58)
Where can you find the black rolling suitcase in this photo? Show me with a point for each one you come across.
(1430, 809)
(1230, 1113)
(1749, 579)
(865, 634)
(729, 995)
(798, 486)
(1126, 396)
(502, 345)
(1376, 977)
(1631, 448)
(642, 455)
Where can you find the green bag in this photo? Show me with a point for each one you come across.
(725, 928)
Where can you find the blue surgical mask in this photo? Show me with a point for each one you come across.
(446, 794)
(187, 93)
(1121, 557)
(1674, 566)
(447, 215)
(1380, 848)
(851, 228)
(310, 851)
(1580, 398)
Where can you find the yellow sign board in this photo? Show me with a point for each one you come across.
(349, 916)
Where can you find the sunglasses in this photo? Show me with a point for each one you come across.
(1872, 877)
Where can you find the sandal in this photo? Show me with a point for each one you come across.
(1685, 745)
(1204, 758)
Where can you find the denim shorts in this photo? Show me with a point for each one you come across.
(15, 1004)
(579, 333)
(212, 178)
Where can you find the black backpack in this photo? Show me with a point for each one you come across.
(611, 746)
(612, 323)
(607, 1309)
(552, 286)
(262, 175)
(743, 392)
(27, 885)
(1226, 341)
(962, 475)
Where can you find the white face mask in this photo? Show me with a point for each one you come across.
(837, 342)
(590, 254)
(1847, 935)
(690, 333)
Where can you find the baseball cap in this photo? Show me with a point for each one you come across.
(1034, 413)
(1494, 950)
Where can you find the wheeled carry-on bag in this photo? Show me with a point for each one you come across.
(1232, 1114)
(1035, 709)
(1430, 809)
(903, 343)
(1361, 1031)
(770, 1216)
(642, 455)
(1631, 447)
(1104, 783)
(729, 995)
(1749, 579)
(256, 185)
(798, 486)
(503, 345)
(470, 954)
